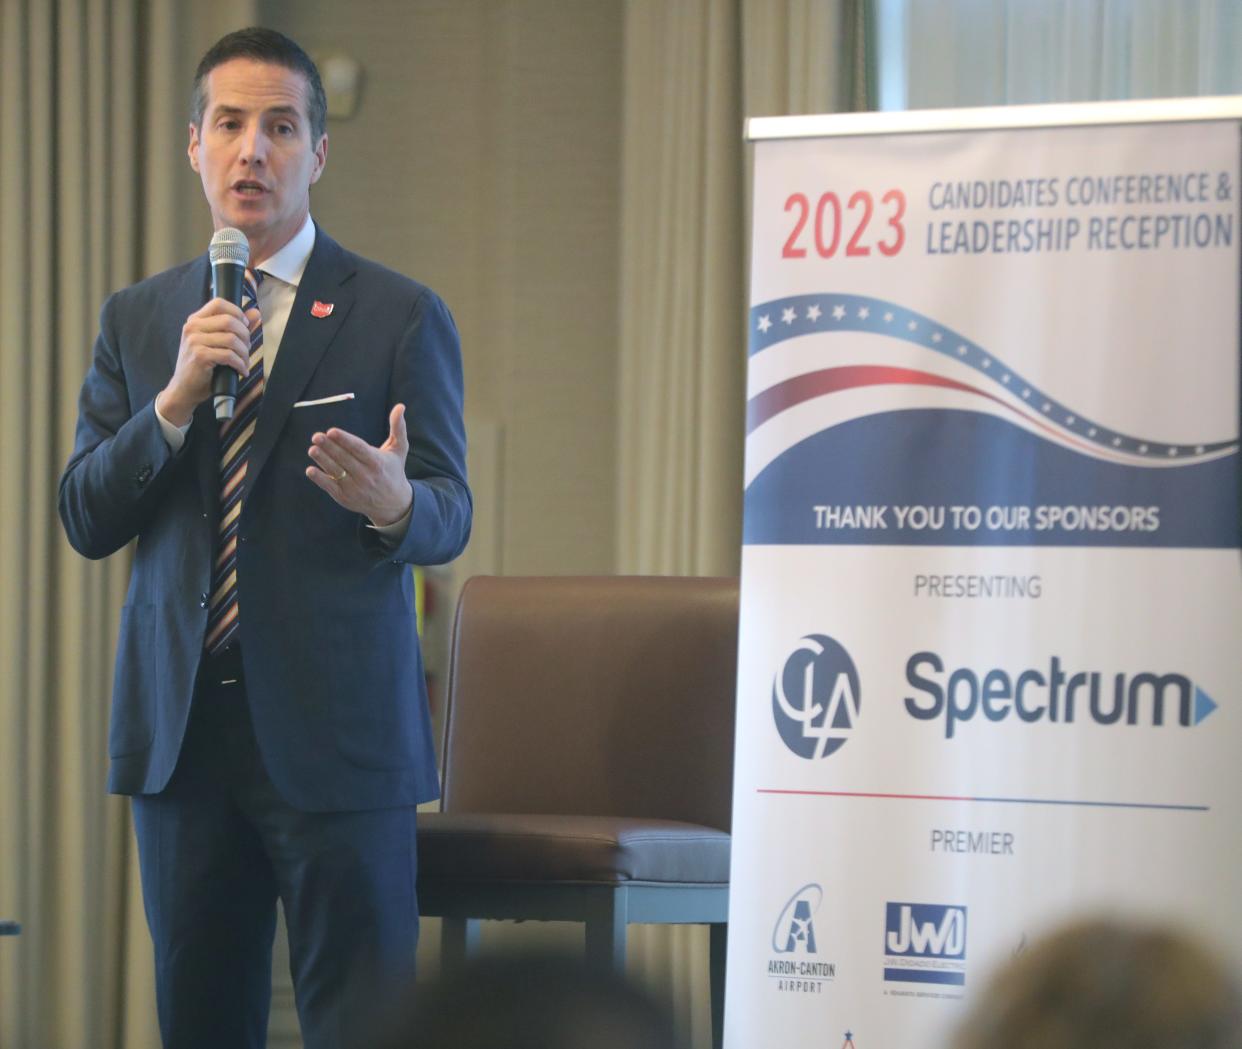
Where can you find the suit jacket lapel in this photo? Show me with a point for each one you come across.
(303, 345)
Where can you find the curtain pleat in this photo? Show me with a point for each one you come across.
(693, 71)
(1031, 51)
(63, 843)
(94, 194)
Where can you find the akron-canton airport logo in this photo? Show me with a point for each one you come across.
(795, 964)
(816, 698)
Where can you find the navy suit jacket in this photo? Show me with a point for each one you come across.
(327, 625)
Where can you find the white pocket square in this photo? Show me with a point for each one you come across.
(324, 400)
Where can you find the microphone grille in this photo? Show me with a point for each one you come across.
(229, 245)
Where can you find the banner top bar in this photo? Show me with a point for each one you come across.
(982, 118)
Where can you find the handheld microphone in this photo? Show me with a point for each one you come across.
(229, 253)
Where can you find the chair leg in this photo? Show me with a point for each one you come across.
(605, 933)
(459, 942)
(717, 953)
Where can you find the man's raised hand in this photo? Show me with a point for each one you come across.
(219, 333)
(362, 478)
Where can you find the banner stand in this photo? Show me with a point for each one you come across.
(991, 586)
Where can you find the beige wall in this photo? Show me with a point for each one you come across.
(484, 161)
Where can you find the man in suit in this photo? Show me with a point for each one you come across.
(269, 711)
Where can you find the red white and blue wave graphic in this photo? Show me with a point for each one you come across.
(884, 406)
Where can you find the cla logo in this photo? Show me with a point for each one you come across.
(815, 698)
(794, 930)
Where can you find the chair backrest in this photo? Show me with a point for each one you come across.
(594, 696)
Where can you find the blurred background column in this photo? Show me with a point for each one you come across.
(692, 72)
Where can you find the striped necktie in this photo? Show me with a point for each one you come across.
(235, 436)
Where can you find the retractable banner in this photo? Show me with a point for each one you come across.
(989, 672)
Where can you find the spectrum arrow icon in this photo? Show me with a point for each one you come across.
(1204, 704)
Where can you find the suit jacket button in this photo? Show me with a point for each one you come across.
(202, 599)
(144, 474)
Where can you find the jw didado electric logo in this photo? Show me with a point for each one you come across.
(925, 943)
(816, 697)
(1054, 693)
(795, 965)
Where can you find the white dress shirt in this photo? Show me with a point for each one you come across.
(282, 274)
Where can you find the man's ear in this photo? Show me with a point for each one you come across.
(192, 148)
(321, 158)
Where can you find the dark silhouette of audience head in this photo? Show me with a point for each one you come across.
(1102, 984)
(543, 1001)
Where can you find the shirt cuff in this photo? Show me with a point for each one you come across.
(174, 435)
(391, 534)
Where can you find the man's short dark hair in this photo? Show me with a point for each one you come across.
(262, 45)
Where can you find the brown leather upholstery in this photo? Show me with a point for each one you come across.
(611, 695)
(589, 733)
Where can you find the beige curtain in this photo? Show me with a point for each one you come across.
(93, 98)
(693, 71)
(941, 53)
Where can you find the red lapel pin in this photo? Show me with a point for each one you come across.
(322, 309)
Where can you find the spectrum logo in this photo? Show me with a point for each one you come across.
(815, 697)
(925, 943)
(1053, 695)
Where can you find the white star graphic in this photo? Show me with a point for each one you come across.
(912, 325)
(1172, 451)
(789, 315)
(1143, 448)
(961, 351)
(1198, 449)
(765, 322)
(813, 313)
(936, 336)
(838, 312)
(863, 312)
(888, 317)
(987, 363)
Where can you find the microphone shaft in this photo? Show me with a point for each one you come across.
(226, 283)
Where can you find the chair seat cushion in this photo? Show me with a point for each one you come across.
(508, 847)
